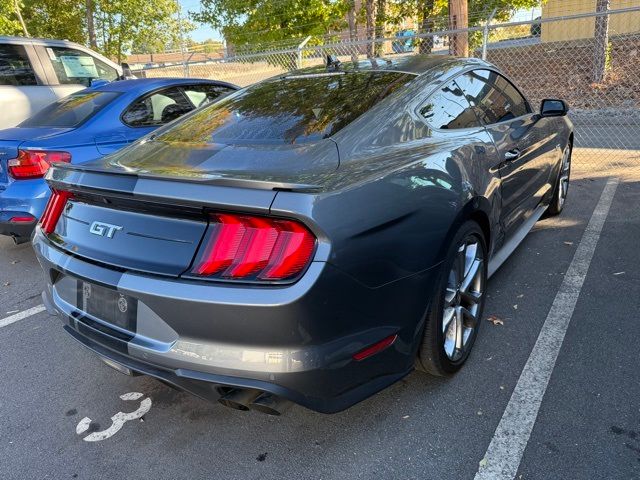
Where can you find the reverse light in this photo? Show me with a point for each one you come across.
(254, 247)
(53, 210)
(34, 163)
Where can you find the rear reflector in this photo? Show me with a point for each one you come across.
(53, 210)
(375, 348)
(25, 219)
(34, 163)
(256, 248)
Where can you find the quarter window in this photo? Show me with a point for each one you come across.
(448, 109)
(493, 98)
(78, 67)
(15, 68)
(157, 109)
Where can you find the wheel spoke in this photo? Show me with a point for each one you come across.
(471, 275)
(459, 329)
(448, 316)
(470, 257)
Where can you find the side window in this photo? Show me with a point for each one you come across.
(77, 67)
(519, 106)
(157, 109)
(448, 109)
(15, 68)
(493, 104)
(201, 95)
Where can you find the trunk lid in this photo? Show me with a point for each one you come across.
(12, 138)
(151, 225)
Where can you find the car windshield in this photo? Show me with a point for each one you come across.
(293, 109)
(70, 111)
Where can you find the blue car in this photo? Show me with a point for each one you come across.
(82, 127)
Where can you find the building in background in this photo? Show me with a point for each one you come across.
(585, 27)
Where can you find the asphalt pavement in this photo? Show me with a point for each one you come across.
(587, 425)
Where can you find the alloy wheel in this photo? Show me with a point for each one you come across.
(463, 298)
(563, 182)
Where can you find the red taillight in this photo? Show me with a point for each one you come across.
(53, 210)
(249, 247)
(34, 163)
(25, 219)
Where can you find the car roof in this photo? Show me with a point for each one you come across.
(415, 64)
(144, 84)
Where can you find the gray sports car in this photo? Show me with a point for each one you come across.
(312, 238)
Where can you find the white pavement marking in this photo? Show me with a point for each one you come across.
(117, 421)
(21, 315)
(505, 451)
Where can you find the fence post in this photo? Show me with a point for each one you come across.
(300, 48)
(485, 34)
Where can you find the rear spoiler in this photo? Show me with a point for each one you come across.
(216, 191)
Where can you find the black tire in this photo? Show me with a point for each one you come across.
(557, 203)
(432, 357)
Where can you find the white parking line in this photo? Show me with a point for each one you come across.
(21, 315)
(505, 451)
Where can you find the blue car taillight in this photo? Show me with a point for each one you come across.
(255, 247)
(34, 163)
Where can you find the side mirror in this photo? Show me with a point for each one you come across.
(553, 108)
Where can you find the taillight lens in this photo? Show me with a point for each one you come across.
(34, 163)
(255, 248)
(53, 210)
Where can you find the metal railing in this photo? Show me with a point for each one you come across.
(546, 57)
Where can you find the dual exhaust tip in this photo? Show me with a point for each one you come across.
(245, 399)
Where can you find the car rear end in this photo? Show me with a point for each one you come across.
(209, 291)
(172, 259)
(27, 152)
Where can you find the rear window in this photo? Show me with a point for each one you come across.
(70, 111)
(288, 110)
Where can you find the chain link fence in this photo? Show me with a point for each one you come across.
(592, 60)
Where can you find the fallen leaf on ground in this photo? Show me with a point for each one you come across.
(495, 320)
(483, 462)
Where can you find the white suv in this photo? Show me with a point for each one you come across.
(36, 72)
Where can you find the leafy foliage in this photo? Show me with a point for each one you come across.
(250, 22)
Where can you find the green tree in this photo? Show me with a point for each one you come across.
(63, 19)
(9, 24)
(256, 22)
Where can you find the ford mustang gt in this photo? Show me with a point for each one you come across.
(312, 238)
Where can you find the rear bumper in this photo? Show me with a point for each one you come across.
(295, 341)
(20, 199)
(21, 230)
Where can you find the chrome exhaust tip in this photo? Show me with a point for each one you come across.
(239, 398)
(270, 404)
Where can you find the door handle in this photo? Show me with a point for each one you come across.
(512, 155)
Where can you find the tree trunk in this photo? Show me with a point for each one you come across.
(353, 30)
(459, 18)
(20, 19)
(601, 41)
(426, 25)
(381, 18)
(91, 29)
(370, 9)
